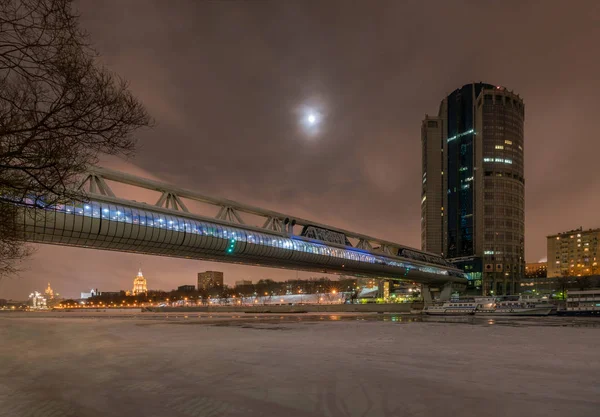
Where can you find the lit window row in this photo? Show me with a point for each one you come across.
(468, 132)
(506, 161)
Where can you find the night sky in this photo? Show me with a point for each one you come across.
(228, 83)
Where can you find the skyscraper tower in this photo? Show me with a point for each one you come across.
(139, 284)
(49, 292)
(472, 200)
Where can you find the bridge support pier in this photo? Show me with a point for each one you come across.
(426, 294)
(429, 293)
(446, 291)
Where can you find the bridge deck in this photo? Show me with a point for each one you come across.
(109, 223)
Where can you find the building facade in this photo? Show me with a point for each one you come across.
(93, 292)
(209, 280)
(38, 301)
(536, 270)
(559, 285)
(243, 283)
(573, 253)
(139, 284)
(473, 187)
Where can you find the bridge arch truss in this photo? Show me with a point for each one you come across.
(103, 221)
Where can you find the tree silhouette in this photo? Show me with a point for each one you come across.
(59, 109)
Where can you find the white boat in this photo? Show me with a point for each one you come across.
(582, 303)
(451, 308)
(516, 306)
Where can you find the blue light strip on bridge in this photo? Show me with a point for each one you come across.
(233, 234)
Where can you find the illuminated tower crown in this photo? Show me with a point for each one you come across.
(49, 292)
(139, 284)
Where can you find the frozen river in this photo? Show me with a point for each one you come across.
(95, 364)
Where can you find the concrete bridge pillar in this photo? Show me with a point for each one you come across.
(426, 294)
(443, 294)
(446, 291)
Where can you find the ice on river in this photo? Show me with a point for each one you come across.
(189, 366)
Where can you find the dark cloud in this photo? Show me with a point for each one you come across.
(226, 81)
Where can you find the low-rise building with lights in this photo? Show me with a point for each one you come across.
(38, 301)
(369, 283)
(210, 280)
(92, 293)
(559, 285)
(536, 270)
(573, 253)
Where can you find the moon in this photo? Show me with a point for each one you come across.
(310, 119)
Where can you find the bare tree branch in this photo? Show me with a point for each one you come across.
(59, 109)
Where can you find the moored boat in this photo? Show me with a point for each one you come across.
(582, 303)
(517, 306)
(451, 308)
(494, 306)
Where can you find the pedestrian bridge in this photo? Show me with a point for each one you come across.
(101, 220)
